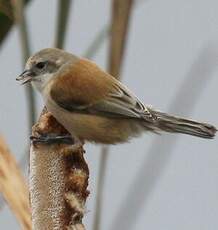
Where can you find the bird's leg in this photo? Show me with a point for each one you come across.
(52, 139)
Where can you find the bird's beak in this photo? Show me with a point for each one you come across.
(25, 77)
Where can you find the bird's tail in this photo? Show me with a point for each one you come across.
(168, 123)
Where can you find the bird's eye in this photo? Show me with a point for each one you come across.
(40, 65)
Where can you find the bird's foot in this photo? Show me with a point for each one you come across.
(52, 139)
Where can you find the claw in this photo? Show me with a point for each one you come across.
(52, 139)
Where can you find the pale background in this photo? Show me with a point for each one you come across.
(164, 182)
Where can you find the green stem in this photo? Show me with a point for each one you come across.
(25, 46)
(96, 43)
(62, 21)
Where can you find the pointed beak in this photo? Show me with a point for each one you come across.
(25, 77)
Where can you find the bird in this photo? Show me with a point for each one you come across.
(93, 106)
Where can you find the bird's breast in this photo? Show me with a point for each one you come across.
(94, 128)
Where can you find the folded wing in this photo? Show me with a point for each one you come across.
(85, 88)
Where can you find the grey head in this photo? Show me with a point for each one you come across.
(44, 65)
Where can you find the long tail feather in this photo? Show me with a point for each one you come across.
(168, 123)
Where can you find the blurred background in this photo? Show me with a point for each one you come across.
(167, 52)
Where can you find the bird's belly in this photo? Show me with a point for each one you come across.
(94, 128)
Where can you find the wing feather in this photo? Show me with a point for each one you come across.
(74, 92)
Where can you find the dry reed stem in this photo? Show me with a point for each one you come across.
(121, 13)
(58, 181)
(13, 186)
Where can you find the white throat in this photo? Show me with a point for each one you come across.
(41, 81)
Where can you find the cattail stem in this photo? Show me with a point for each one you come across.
(58, 181)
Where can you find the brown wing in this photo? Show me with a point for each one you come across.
(85, 88)
(81, 84)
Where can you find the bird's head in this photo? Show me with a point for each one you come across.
(44, 65)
